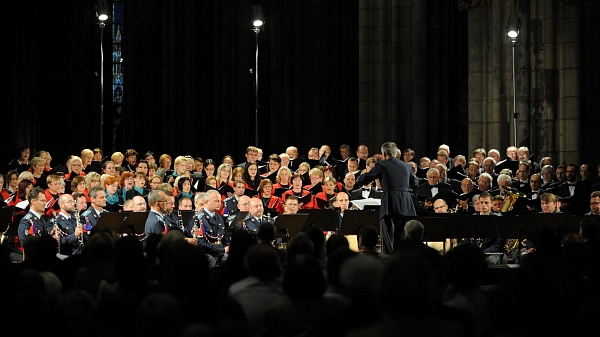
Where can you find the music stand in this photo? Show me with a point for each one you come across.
(519, 226)
(112, 220)
(239, 218)
(289, 225)
(353, 220)
(326, 219)
(6, 220)
(473, 226)
(558, 222)
(134, 223)
(186, 216)
(437, 228)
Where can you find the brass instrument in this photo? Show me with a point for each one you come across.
(513, 244)
(512, 195)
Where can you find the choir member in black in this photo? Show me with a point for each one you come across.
(10, 185)
(251, 176)
(272, 205)
(38, 169)
(283, 178)
(223, 175)
(139, 186)
(298, 191)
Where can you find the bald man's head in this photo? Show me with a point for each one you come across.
(440, 206)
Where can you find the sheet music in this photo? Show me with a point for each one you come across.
(361, 203)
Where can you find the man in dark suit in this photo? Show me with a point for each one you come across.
(576, 192)
(365, 192)
(430, 189)
(523, 155)
(396, 202)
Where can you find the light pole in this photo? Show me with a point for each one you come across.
(102, 14)
(257, 24)
(512, 30)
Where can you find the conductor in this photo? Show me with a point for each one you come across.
(396, 202)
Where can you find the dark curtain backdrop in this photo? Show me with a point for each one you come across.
(187, 85)
(188, 89)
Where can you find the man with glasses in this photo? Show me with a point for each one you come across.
(71, 234)
(155, 223)
(594, 203)
(32, 223)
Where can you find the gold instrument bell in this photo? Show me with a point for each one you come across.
(512, 195)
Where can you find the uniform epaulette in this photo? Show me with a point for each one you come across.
(86, 212)
(27, 216)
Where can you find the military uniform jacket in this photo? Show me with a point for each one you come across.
(251, 223)
(229, 204)
(69, 244)
(213, 240)
(395, 176)
(155, 224)
(31, 224)
(90, 215)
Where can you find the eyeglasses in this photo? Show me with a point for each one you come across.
(162, 201)
(440, 207)
(595, 203)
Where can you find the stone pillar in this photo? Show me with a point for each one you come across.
(392, 73)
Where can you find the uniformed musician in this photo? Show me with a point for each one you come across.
(71, 235)
(90, 217)
(33, 223)
(256, 217)
(212, 227)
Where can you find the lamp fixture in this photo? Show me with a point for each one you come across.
(102, 10)
(257, 17)
(512, 28)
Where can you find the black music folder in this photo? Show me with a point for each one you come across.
(113, 220)
(316, 188)
(474, 226)
(134, 223)
(290, 224)
(437, 227)
(305, 199)
(322, 203)
(271, 176)
(517, 226)
(250, 193)
(354, 220)
(224, 189)
(6, 220)
(513, 165)
(239, 218)
(186, 216)
(279, 191)
(325, 219)
(558, 222)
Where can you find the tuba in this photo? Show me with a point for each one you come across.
(512, 195)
